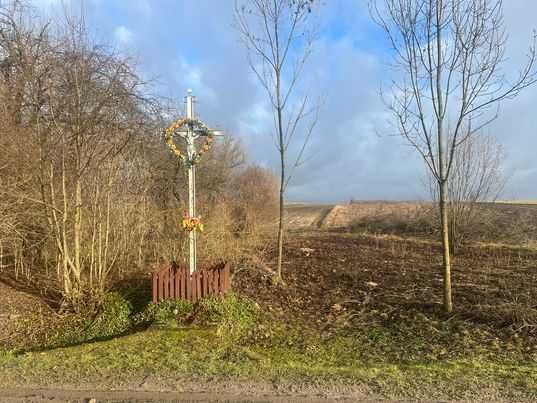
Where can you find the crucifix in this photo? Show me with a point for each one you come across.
(190, 129)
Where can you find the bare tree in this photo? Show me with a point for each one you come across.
(278, 35)
(476, 177)
(450, 53)
(92, 112)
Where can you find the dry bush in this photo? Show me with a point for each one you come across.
(20, 56)
(504, 223)
(256, 202)
(236, 223)
(476, 177)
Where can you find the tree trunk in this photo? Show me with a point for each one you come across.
(281, 227)
(281, 146)
(448, 303)
(78, 235)
(442, 166)
(453, 225)
(282, 190)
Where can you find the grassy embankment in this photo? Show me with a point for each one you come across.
(418, 356)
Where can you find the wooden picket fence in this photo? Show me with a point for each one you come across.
(175, 282)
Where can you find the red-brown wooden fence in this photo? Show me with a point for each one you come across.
(175, 282)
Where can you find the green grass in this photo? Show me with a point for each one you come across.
(415, 355)
(203, 355)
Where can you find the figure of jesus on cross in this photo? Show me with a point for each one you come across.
(189, 129)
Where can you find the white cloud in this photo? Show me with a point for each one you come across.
(123, 35)
(192, 76)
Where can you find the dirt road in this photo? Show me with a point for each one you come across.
(88, 396)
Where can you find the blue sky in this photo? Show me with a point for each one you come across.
(191, 44)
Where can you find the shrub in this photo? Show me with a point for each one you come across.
(165, 313)
(112, 319)
(235, 316)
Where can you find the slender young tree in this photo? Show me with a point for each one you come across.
(278, 35)
(450, 54)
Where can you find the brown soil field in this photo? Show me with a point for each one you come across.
(375, 278)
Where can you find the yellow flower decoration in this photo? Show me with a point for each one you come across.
(191, 223)
(168, 135)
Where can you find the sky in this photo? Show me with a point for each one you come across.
(191, 44)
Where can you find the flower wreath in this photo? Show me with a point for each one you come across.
(168, 134)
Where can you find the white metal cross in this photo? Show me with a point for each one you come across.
(190, 135)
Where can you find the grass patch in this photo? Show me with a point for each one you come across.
(198, 353)
(406, 355)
